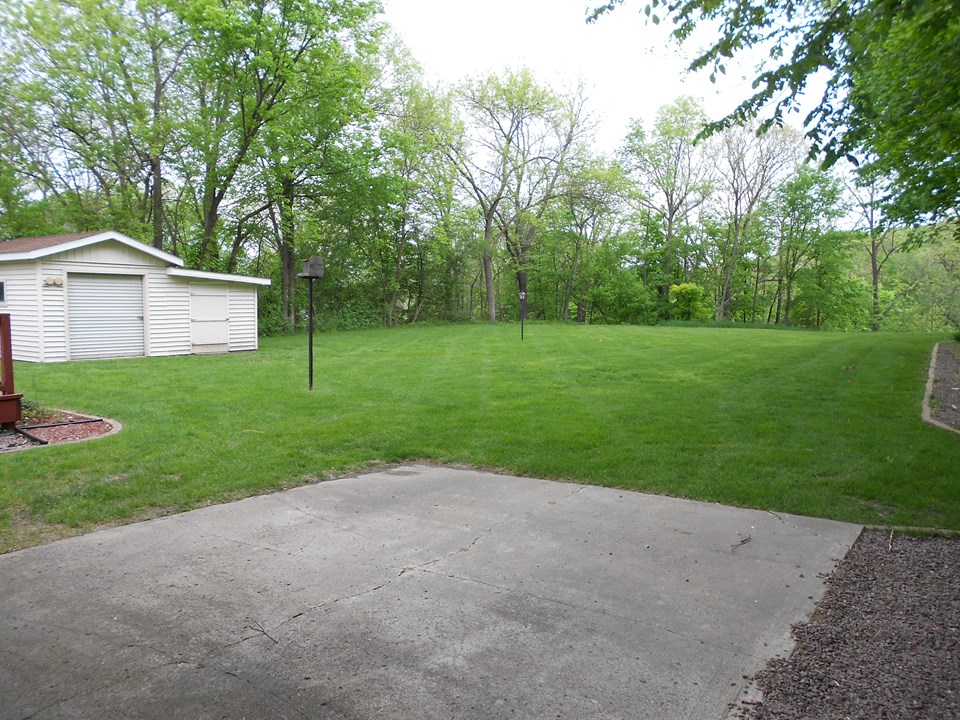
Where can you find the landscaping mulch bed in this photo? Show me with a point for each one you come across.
(883, 643)
(53, 427)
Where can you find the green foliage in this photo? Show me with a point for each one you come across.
(270, 317)
(688, 299)
(906, 90)
(893, 88)
(247, 135)
(922, 287)
(623, 299)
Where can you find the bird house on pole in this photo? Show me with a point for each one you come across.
(312, 270)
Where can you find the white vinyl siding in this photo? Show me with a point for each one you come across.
(209, 317)
(168, 314)
(112, 256)
(53, 306)
(243, 317)
(21, 286)
(37, 296)
(105, 316)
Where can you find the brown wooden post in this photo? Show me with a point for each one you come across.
(10, 408)
(6, 356)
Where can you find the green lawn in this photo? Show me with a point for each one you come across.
(808, 423)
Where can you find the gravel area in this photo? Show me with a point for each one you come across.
(883, 643)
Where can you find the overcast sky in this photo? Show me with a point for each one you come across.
(629, 68)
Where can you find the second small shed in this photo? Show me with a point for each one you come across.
(105, 295)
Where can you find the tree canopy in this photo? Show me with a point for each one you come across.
(890, 104)
(247, 135)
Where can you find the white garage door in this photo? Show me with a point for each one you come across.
(209, 317)
(105, 316)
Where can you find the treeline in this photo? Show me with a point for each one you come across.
(247, 135)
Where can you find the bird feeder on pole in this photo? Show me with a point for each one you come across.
(523, 310)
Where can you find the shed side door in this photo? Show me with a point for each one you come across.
(105, 316)
(209, 317)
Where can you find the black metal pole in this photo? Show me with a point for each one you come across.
(523, 311)
(310, 296)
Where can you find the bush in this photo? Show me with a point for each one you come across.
(688, 302)
(270, 313)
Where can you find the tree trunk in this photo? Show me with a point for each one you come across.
(211, 215)
(875, 279)
(786, 304)
(756, 291)
(288, 260)
(156, 208)
(488, 282)
(568, 296)
(776, 320)
(726, 294)
(522, 289)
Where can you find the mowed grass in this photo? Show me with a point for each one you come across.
(814, 424)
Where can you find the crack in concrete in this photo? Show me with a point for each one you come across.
(157, 668)
(332, 522)
(796, 527)
(595, 611)
(236, 541)
(566, 497)
(465, 548)
(108, 639)
(102, 688)
(221, 648)
(327, 603)
(260, 689)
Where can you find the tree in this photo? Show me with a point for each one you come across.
(514, 146)
(251, 70)
(675, 176)
(592, 207)
(882, 240)
(893, 90)
(827, 291)
(105, 107)
(750, 167)
(416, 183)
(905, 86)
(802, 211)
(921, 289)
(540, 158)
(308, 153)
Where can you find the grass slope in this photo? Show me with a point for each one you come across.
(807, 423)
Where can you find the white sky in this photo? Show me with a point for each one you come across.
(629, 68)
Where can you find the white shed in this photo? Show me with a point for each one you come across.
(105, 295)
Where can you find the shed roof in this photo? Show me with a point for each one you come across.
(33, 248)
(38, 247)
(29, 244)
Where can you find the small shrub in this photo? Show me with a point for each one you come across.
(688, 300)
